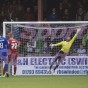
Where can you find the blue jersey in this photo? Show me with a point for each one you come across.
(3, 43)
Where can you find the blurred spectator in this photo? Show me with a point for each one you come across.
(66, 4)
(31, 46)
(39, 45)
(28, 15)
(66, 15)
(80, 14)
(85, 38)
(45, 48)
(53, 16)
(35, 12)
(3, 16)
(16, 19)
(19, 10)
(81, 51)
(14, 4)
(60, 11)
(48, 41)
(86, 16)
(79, 4)
(10, 12)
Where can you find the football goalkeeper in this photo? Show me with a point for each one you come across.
(64, 50)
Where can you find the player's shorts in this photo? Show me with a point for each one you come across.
(3, 53)
(12, 57)
(12, 53)
(61, 54)
(0, 60)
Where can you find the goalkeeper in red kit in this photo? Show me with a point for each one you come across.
(13, 52)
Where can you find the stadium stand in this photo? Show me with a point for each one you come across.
(61, 10)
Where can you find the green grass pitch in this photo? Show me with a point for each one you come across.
(44, 82)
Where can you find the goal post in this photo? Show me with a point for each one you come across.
(39, 33)
(35, 53)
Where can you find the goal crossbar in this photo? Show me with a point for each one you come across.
(46, 22)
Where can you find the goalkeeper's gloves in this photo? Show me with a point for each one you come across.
(51, 45)
(78, 30)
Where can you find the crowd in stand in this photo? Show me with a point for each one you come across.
(17, 10)
(55, 10)
(68, 10)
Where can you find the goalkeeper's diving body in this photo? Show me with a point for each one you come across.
(64, 50)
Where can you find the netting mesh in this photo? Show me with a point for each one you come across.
(35, 39)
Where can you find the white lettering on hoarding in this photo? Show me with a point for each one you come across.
(72, 65)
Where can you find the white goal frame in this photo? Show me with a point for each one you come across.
(44, 22)
(40, 22)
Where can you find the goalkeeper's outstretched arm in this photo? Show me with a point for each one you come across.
(78, 30)
(57, 44)
(68, 39)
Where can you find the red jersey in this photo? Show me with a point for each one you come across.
(13, 45)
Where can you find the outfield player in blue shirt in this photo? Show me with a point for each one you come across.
(3, 54)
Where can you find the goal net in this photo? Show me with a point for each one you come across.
(35, 37)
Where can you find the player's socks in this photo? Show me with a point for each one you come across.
(3, 75)
(49, 72)
(9, 69)
(4, 69)
(6, 65)
(15, 70)
(14, 74)
(55, 67)
(50, 67)
(7, 75)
